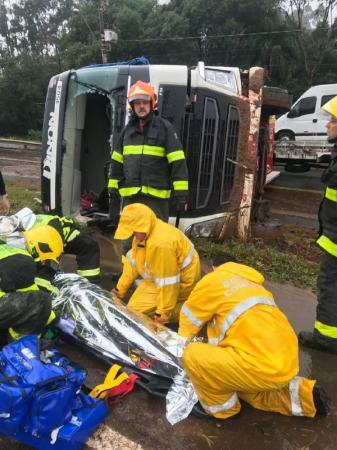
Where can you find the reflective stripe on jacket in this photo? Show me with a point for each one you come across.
(65, 226)
(7, 250)
(328, 209)
(152, 162)
(241, 313)
(17, 270)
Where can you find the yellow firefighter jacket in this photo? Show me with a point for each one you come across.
(240, 313)
(166, 257)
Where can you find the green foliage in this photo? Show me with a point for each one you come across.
(23, 85)
(34, 135)
(40, 38)
(275, 265)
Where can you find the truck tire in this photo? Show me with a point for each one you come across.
(285, 136)
(297, 167)
(275, 100)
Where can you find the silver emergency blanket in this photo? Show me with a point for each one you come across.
(105, 325)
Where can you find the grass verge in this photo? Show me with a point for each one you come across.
(275, 265)
(22, 194)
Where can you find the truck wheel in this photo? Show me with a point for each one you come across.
(297, 167)
(285, 136)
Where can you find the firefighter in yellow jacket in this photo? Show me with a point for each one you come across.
(252, 350)
(162, 259)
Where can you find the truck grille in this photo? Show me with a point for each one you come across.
(230, 153)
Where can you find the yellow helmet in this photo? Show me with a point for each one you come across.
(44, 242)
(331, 107)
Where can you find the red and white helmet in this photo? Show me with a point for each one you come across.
(142, 91)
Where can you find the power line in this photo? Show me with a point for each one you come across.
(219, 36)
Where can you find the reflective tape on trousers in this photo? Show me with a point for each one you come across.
(89, 272)
(294, 392)
(326, 330)
(188, 258)
(236, 312)
(229, 404)
(188, 313)
(328, 245)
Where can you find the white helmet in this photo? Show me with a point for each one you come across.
(26, 218)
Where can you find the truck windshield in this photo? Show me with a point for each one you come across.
(101, 78)
(101, 81)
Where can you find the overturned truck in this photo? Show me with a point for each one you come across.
(221, 114)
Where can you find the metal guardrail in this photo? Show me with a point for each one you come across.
(11, 144)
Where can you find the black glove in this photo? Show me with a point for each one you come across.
(182, 205)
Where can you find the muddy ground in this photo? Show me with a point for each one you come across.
(138, 421)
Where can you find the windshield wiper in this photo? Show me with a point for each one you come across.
(99, 89)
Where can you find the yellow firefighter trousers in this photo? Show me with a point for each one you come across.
(144, 299)
(220, 380)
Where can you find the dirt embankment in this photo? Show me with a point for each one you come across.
(290, 239)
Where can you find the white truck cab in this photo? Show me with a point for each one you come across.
(306, 121)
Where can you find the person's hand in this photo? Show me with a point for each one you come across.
(158, 319)
(115, 293)
(182, 205)
(4, 205)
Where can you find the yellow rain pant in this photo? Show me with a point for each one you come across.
(221, 377)
(144, 300)
(145, 297)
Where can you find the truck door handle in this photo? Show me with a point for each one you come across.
(314, 120)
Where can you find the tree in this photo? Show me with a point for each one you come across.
(313, 37)
(23, 84)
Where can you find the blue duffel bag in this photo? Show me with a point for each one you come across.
(36, 397)
(14, 403)
(87, 415)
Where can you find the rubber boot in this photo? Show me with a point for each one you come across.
(322, 401)
(318, 342)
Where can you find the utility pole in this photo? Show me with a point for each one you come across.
(203, 43)
(101, 13)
